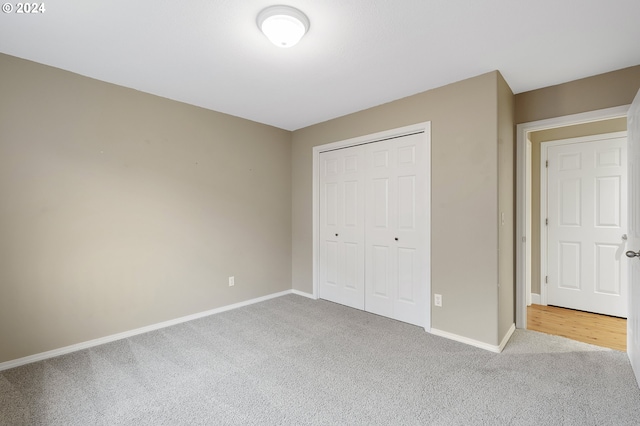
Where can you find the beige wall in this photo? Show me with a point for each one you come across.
(588, 94)
(506, 200)
(121, 209)
(464, 198)
(537, 138)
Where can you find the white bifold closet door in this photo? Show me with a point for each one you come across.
(395, 242)
(342, 226)
(374, 227)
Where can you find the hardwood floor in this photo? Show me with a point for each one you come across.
(601, 330)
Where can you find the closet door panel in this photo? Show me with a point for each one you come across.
(341, 247)
(380, 220)
(401, 163)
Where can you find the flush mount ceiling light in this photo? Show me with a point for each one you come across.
(283, 25)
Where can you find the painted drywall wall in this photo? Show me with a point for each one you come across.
(464, 198)
(122, 209)
(506, 208)
(588, 94)
(537, 138)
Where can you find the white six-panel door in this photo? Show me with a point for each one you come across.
(342, 226)
(395, 229)
(587, 225)
(374, 227)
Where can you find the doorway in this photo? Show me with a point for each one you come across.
(529, 136)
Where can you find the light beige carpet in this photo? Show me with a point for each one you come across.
(295, 361)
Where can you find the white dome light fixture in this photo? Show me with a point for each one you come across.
(283, 25)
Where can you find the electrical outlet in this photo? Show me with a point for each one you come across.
(437, 299)
(232, 281)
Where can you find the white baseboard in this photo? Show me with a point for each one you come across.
(476, 343)
(506, 337)
(107, 339)
(303, 294)
(535, 299)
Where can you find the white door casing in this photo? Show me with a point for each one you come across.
(633, 244)
(415, 284)
(396, 229)
(587, 224)
(342, 226)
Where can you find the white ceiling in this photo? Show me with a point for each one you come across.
(357, 54)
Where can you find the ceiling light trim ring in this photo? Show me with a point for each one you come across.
(295, 19)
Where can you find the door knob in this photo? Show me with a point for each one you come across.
(624, 237)
(633, 254)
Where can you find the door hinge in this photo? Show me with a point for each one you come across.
(546, 221)
(547, 163)
(546, 279)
